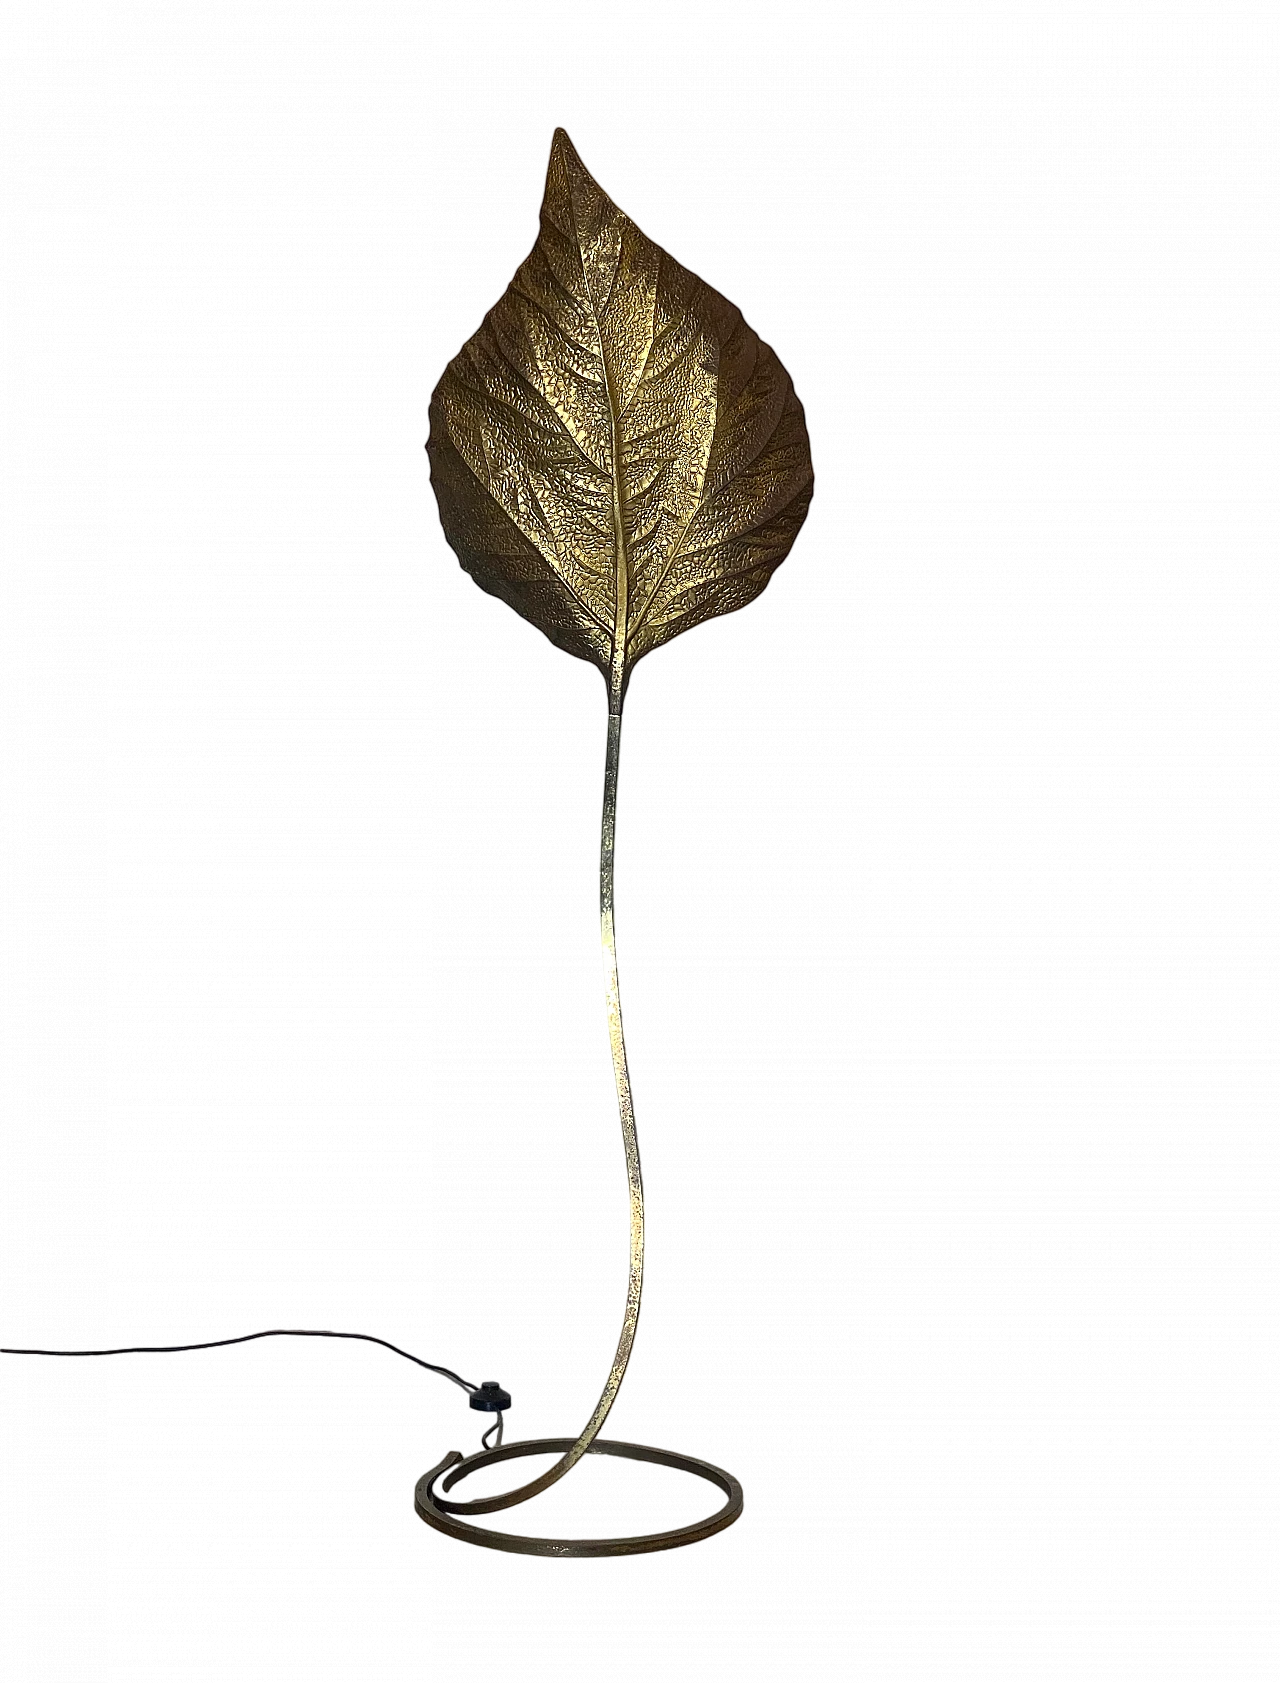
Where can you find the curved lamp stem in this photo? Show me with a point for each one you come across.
(626, 1114)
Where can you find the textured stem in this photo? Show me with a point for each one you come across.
(626, 1114)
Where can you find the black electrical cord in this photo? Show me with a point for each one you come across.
(486, 1397)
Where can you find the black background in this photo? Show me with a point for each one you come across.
(313, 1002)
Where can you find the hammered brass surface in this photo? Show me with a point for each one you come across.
(616, 454)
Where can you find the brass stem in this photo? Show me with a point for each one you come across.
(626, 1114)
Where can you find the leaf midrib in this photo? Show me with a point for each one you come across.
(618, 664)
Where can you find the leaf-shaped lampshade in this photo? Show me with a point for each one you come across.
(616, 454)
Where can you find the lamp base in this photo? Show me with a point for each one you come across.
(427, 1503)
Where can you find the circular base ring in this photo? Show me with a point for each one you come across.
(429, 1509)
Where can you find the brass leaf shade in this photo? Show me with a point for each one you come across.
(615, 453)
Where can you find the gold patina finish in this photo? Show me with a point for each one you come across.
(437, 1513)
(618, 457)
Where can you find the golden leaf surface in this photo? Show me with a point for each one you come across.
(615, 453)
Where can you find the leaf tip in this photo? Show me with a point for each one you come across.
(563, 149)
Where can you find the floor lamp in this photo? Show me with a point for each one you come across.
(618, 457)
